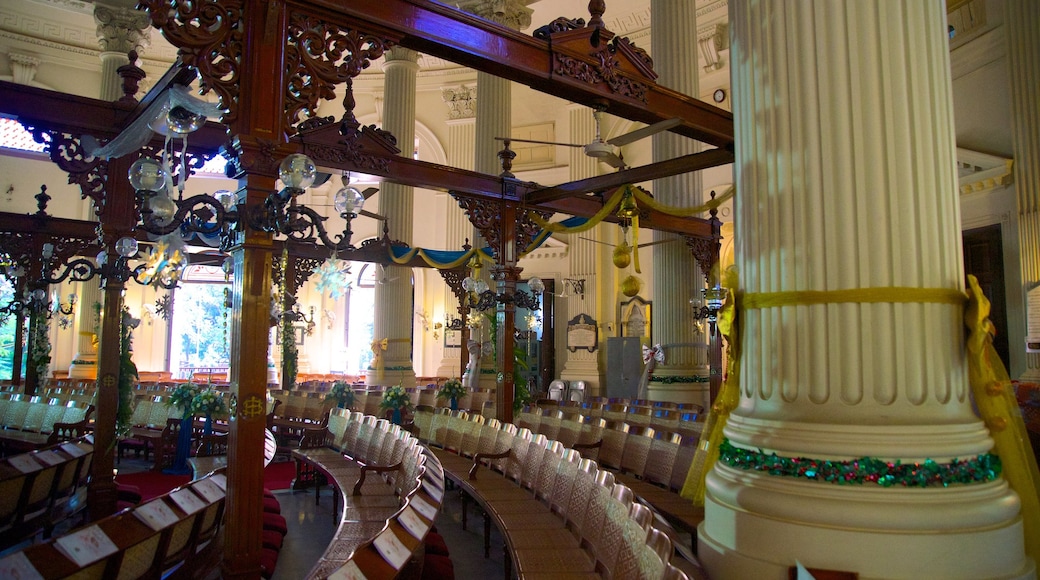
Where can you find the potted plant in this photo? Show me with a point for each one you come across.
(342, 393)
(396, 399)
(453, 390)
(208, 402)
(182, 398)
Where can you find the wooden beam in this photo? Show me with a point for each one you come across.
(439, 30)
(82, 115)
(684, 164)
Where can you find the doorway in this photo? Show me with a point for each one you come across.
(984, 258)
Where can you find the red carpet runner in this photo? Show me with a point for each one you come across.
(153, 484)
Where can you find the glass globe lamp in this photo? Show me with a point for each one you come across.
(348, 200)
(297, 171)
(163, 208)
(126, 247)
(146, 174)
(536, 285)
(181, 121)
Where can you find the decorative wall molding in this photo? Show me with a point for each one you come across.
(23, 68)
(713, 39)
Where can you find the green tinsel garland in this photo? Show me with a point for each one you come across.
(675, 380)
(404, 368)
(865, 469)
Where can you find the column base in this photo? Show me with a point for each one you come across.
(84, 366)
(758, 526)
(680, 393)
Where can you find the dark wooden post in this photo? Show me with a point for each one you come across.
(258, 148)
(117, 220)
(506, 273)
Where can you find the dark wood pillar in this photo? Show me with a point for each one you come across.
(250, 325)
(117, 220)
(506, 273)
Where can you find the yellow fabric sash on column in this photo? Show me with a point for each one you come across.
(711, 436)
(998, 408)
(378, 348)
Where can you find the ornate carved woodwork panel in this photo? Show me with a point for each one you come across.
(321, 55)
(89, 173)
(209, 37)
(705, 251)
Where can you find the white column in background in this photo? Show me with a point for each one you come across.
(676, 276)
(393, 300)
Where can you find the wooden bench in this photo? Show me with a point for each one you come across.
(391, 493)
(40, 488)
(29, 423)
(171, 536)
(558, 512)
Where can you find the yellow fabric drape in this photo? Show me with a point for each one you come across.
(893, 294)
(557, 228)
(645, 199)
(711, 436)
(998, 408)
(379, 346)
(407, 257)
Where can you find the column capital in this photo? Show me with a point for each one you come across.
(509, 13)
(461, 101)
(400, 55)
(122, 29)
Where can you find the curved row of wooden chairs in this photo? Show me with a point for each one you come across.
(41, 488)
(169, 536)
(559, 513)
(391, 491)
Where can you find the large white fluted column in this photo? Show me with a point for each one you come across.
(1022, 22)
(845, 172)
(119, 31)
(461, 127)
(394, 300)
(494, 116)
(84, 362)
(684, 374)
(582, 258)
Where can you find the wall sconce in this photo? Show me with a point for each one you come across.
(576, 285)
(65, 309)
(708, 306)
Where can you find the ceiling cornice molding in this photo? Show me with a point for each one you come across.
(985, 172)
(72, 5)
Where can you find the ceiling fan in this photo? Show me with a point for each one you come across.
(608, 151)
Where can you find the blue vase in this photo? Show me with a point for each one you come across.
(180, 459)
(207, 427)
(454, 403)
(396, 417)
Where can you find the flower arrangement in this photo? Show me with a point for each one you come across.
(342, 393)
(209, 403)
(183, 396)
(395, 398)
(451, 389)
